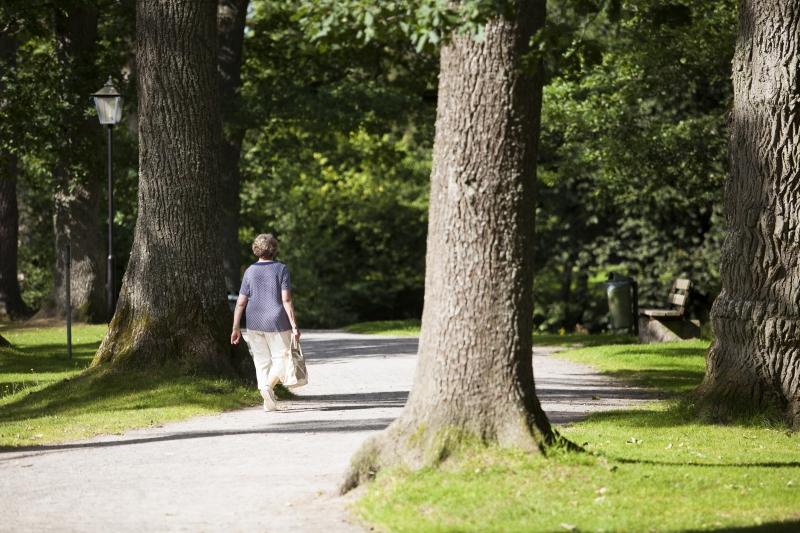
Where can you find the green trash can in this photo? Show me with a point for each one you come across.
(622, 293)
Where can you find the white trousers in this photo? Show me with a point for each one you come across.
(270, 352)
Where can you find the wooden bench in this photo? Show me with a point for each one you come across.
(670, 324)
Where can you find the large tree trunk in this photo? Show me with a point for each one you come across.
(11, 304)
(78, 172)
(172, 308)
(231, 17)
(474, 378)
(754, 364)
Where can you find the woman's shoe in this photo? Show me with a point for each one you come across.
(270, 401)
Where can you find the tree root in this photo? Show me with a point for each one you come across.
(415, 446)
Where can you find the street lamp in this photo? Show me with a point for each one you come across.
(108, 103)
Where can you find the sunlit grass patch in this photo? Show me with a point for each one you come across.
(656, 468)
(394, 328)
(38, 356)
(411, 328)
(575, 340)
(501, 490)
(46, 398)
(671, 367)
(645, 470)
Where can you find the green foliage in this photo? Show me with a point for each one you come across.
(633, 155)
(338, 102)
(425, 23)
(336, 164)
(28, 84)
(31, 127)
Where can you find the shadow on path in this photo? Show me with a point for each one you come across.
(331, 350)
(306, 426)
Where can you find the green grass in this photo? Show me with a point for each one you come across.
(411, 328)
(572, 340)
(45, 399)
(651, 469)
(676, 367)
(38, 356)
(394, 328)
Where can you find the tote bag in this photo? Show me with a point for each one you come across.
(296, 372)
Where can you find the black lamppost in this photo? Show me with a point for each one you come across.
(108, 103)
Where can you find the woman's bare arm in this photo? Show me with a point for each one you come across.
(241, 303)
(289, 307)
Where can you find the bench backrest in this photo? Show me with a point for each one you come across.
(679, 294)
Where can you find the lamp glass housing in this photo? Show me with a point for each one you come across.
(108, 103)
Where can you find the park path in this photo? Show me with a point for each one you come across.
(249, 470)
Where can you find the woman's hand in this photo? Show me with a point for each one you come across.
(296, 334)
(235, 336)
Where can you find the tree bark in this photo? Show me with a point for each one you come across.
(474, 378)
(231, 17)
(11, 304)
(78, 172)
(754, 363)
(172, 308)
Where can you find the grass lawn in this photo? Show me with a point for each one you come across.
(651, 469)
(45, 399)
(411, 328)
(676, 367)
(394, 328)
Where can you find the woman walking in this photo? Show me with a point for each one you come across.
(265, 298)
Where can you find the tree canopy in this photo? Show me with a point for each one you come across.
(338, 102)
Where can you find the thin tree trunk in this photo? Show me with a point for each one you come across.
(754, 364)
(231, 17)
(172, 308)
(11, 304)
(78, 171)
(566, 293)
(474, 378)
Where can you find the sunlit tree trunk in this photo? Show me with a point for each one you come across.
(754, 364)
(231, 17)
(474, 378)
(172, 307)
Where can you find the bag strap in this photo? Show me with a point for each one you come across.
(295, 343)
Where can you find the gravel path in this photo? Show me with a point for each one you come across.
(249, 470)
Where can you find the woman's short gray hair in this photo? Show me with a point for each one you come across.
(265, 246)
